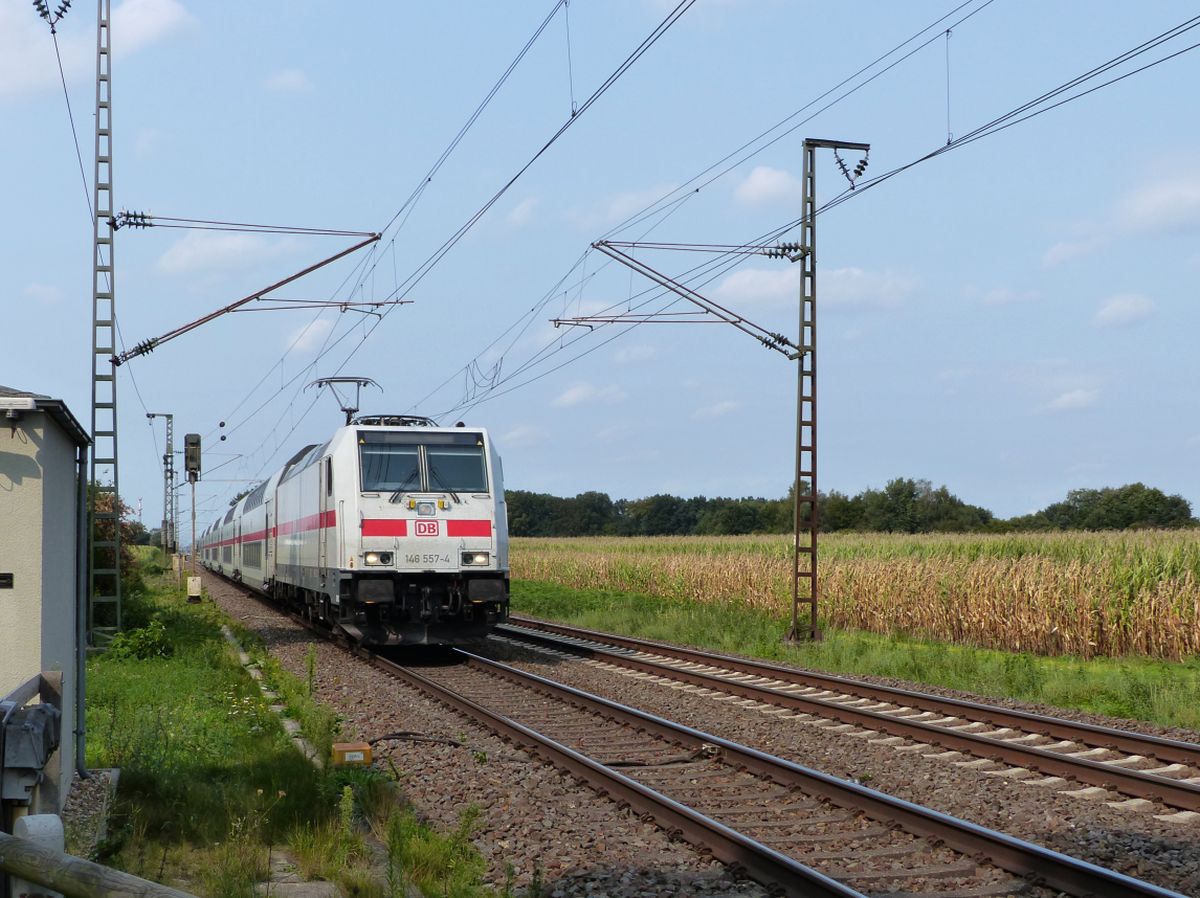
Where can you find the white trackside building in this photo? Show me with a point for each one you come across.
(395, 530)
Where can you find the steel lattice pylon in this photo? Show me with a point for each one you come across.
(804, 568)
(104, 568)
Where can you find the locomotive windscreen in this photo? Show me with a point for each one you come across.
(428, 462)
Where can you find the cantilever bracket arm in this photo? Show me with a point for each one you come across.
(146, 346)
(769, 339)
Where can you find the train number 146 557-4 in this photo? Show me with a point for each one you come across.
(427, 558)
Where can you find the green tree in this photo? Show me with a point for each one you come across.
(1111, 508)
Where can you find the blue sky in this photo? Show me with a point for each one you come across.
(1013, 319)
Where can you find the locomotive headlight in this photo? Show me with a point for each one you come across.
(378, 558)
(476, 557)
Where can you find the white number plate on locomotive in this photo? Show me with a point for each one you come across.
(426, 559)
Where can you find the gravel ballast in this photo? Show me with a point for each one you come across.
(1129, 840)
(534, 822)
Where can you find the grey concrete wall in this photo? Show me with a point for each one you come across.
(59, 523)
(21, 508)
(37, 545)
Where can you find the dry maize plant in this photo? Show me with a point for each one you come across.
(1083, 594)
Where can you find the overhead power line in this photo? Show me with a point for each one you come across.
(425, 267)
(728, 256)
(670, 203)
(153, 343)
(125, 219)
(428, 265)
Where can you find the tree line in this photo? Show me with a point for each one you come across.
(904, 505)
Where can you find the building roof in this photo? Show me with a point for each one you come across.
(56, 409)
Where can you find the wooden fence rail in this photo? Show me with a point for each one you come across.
(73, 876)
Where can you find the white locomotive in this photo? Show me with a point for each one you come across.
(395, 530)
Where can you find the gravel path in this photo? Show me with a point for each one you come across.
(1129, 840)
(534, 823)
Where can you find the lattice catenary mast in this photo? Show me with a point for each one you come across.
(168, 524)
(804, 568)
(104, 577)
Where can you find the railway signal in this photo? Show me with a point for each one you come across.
(191, 456)
(191, 464)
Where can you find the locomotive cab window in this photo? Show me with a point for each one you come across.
(458, 468)
(434, 462)
(389, 462)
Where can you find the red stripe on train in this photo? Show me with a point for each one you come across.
(384, 527)
(396, 527)
(468, 528)
(312, 522)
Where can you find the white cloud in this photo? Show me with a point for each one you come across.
(835, 286)
(27, 63)
(204, 251)
(1158, 207)
(1066, 250)
(957, 374)
(632, 354)
(147, 142)
(310, 336)
(1163, 207)
(620, 206)
(522, 212)
(1002, 296)
(853, 286)
(1072, 400)
(585, 393)
(716, 410)
(524, 435)
(43, 294)
(289, 81)
(139, 23)
(761, 285)
(1123, 310)
(769, 185)
(615, 433)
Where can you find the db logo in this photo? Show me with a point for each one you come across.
(426, 528)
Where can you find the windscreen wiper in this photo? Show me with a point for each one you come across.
(438, 479)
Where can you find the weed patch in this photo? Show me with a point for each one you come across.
(211, 785)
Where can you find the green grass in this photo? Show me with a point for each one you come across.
(1166, 693)
(211, 784)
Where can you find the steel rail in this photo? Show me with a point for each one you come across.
(1172, 792)
(1172, 750)
(1041, 865)
(772, 868)
(1015, 855)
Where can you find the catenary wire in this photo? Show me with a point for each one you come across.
(422, 270)
(995, 126)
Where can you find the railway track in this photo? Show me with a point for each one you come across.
(796, 830)
(1016, 744)
(792, 828)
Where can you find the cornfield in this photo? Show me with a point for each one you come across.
(1083, 594)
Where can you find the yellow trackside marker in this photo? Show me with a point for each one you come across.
(351, 754)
